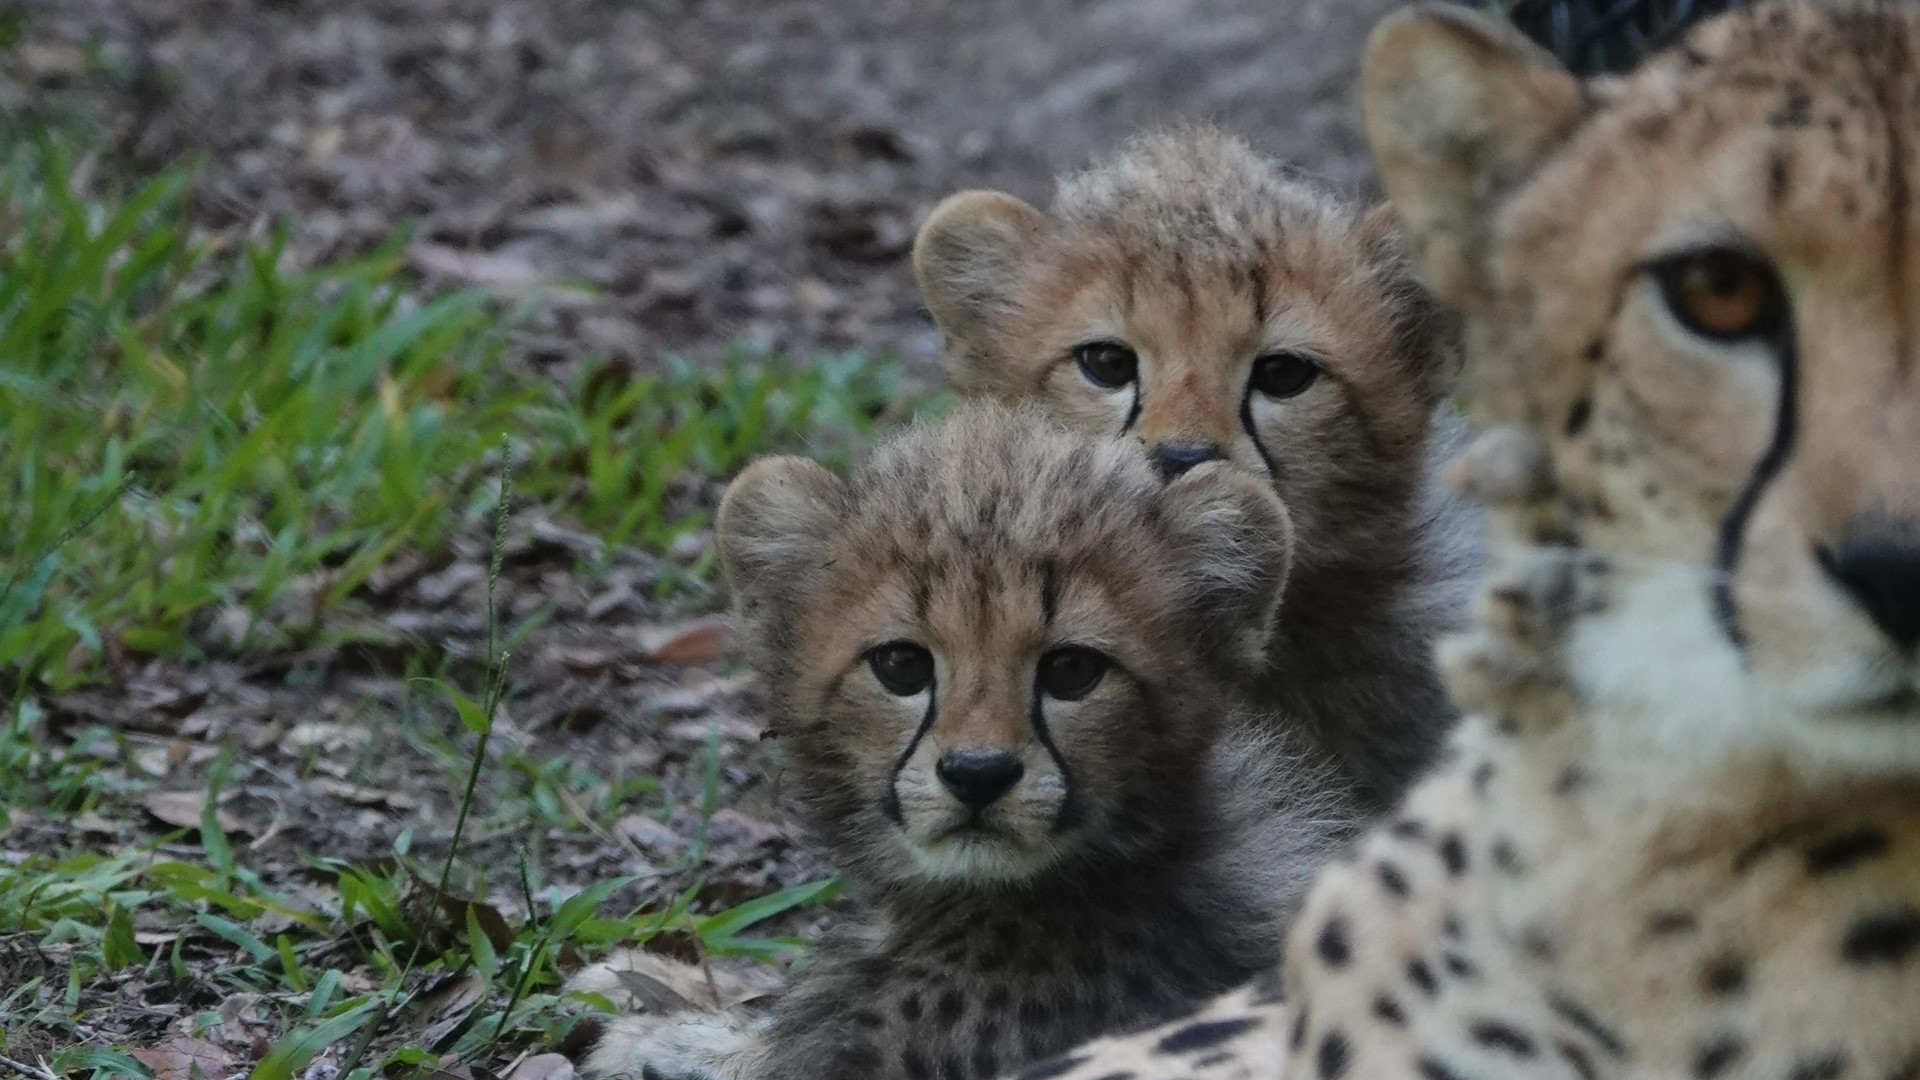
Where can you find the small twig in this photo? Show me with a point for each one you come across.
(39, 1072)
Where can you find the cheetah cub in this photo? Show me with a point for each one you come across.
(1006, 663)
(1679, 835)
(1209, 303)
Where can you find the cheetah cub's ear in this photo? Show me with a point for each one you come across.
(968, 259)
(775, 518)
(1458, 107)
(1239, 540)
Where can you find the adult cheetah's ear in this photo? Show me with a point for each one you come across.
(967, 259)
(1458, 108)
(1240, 549)
(775, 518)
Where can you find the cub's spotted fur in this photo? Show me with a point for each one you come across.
(1005, 661)
(1209, 303)
(1680, 834)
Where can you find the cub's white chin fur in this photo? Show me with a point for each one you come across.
(975, 856)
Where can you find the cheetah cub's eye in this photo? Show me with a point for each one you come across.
(1071, 672)
(1284, 374)
(1722, 294)
(1107, 364)
(905, 669)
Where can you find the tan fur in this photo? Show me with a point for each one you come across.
(1680, 834)
(1201, 257)
(1158, 831)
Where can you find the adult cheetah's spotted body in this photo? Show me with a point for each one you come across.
(1679, 834)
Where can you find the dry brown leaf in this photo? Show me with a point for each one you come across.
(543, 1067)
(448, 1006)
(177, 1058)
(182, 810)
(699, 641)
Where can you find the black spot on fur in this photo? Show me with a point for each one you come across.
(1391, 879)
(1505, 857)
(1389, 1010)
(1574, 1014)
(1482, 774)
(1046, 1070)
(1410, 829)
(1502, 1036)
(1332, 943)
(1571, 779)
(1596, 350)
(1664, 923)
(1421, 975)
(1846, 850)
(910, 1007)
(916, 1066)
(1453, 853)
(1435, 1069)
(952, 1008)
(1297, 1038)
(1885, 937)
(1204, 1035)
(997, 1000)
(1037, 1013)
(1576, 1056)
(1724, 977)
(1578, 415)
(1333, 1055)
(1461, 967)
(1827, 1066)
(1717, 1055)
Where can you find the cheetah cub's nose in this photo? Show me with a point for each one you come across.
(1879, 563)
(1174, 459)
(978, 777)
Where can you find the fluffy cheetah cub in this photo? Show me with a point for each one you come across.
(1680, 834)
(1212, 304)
(1005, 661)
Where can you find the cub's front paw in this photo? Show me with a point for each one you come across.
(679, 1046)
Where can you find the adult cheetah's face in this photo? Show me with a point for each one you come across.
(988, 640)
(1702, 286)
(1193, 298)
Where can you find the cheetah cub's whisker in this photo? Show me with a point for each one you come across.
(1009, 666)
(1208, 303)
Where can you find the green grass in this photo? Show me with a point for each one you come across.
(247, 436)
(194, 430)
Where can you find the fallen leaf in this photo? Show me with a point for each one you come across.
(700, 641)
(543, 1067)
(447, 1007)
(177, 1058)
(182, 810)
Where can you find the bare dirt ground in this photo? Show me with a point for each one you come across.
(716, 169)
(710, 172)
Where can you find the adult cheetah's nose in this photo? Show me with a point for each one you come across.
(977, 777)
(1176, 458)
(1879, 564)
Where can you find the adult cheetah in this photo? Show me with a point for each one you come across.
(1679, 835)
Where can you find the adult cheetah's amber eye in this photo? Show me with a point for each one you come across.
(902, 667)
(1070, 672)
(1107, 364)
(1722, 294)
(1284, 374)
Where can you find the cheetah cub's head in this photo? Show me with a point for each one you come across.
(998, 647)
(1207, 302)
(1699, 285)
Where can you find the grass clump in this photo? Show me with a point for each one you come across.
(207, 450)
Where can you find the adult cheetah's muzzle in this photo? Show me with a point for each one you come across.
(1878, 564)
